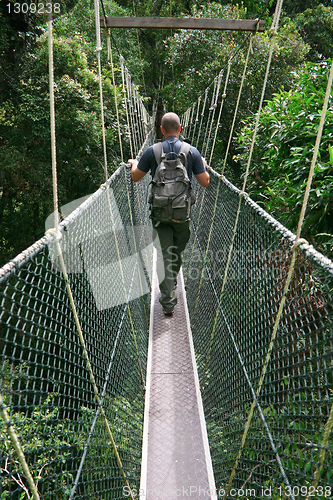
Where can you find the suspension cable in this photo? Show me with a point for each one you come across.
(214, 106)
(110, 58)
(210, 115)
(224, 95)
(188, 132)
(126, 107)
(202, 115)
(17, 447)
(139, 48)
(197, 117)
(249, 51)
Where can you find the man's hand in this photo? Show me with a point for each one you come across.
(136, 174)
(134, 163)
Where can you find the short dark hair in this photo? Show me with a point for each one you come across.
(170, 122)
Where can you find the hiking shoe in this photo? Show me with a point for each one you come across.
(169, 314)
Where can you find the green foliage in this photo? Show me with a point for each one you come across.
(294, 6)
(198, 56)
(316, 28)
(25, 172)
(300, 437)
(53, 447)
(46, 452)
(283, 153)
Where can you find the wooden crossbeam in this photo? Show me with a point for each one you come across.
(184, 23)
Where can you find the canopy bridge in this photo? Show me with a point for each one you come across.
(102, 397)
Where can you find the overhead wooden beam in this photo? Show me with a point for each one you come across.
(190, 23)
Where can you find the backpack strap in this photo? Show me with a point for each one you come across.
(158, 152)
(185, 149)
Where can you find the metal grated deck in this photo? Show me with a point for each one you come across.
(176, 459)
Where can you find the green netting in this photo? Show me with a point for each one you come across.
(44, 379)
(297, 392)
(46, 384)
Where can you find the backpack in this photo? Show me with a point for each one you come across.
(170, 197)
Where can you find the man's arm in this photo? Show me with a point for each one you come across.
(203, 178)
(136, 173)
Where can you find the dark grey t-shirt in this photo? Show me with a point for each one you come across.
(172, 144)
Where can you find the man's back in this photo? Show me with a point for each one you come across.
(172, 145)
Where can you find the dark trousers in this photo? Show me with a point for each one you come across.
(171, 242)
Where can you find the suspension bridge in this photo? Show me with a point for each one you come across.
(102, 397)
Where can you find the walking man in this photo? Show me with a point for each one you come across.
(174, 234)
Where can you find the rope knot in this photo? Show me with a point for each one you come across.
(297, 243)
(241, 194)
(53, 232)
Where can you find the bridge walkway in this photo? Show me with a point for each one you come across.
(176, 461)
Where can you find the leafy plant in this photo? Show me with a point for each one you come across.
(47, 444)
(283, 153)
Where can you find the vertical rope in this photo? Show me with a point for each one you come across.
(126, 107)
(110, 58)
(249, 51)
(52, 126)
(196, 118)
(191, 120)
(17, 447)
(202, 115)
(214, 111)
(131, 110)
(210, 116)
(98, 55)
(139, 48)
(140, 117)
(224, 95)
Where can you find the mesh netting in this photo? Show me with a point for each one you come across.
(232, 331)
(107, 248)
(44, 379)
